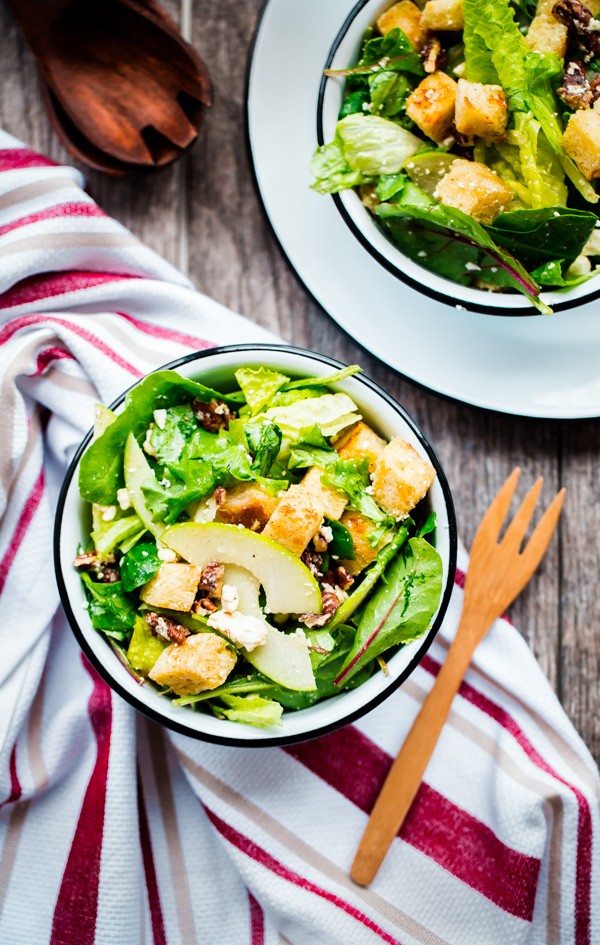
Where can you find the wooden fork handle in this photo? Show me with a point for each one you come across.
(406, 773)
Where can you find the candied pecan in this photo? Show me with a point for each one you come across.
(433, 55)
(331, 602)
(313, 561)
(320, 543)
(102, 568)
(342, 577)
(595, 87)
(211, 580)
(107, 575)
(203, 606)
(165, 628)
(220, 494)
(583, 27)
(576, 91)
(213, 415)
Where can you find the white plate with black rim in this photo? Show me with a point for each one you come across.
(543, 366)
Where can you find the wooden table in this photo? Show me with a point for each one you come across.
(205, 216)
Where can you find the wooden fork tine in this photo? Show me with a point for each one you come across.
(522, 517)
(535, 548)
(492, 521)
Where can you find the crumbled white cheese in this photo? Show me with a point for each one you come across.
(422, 253)
(230, 598)
(123, 499)
(147, 445)
(327, 533)
(166, 554)
(472, 267)
(165, 483)
(369, 490)
(108, 513)
(243, 629)
(221, 409)
(299, 632)
(160, 418)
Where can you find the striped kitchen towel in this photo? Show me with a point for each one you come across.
(115, 832)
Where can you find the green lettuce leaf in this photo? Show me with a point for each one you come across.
(330, 412)
(259, 385)
(342, 544)
(167, 441)
(331, 170)
(402, 610)
(101, 467)
(139, 565)
(374, 145)
(538, 236)
(555, 275)
(393, 52)
(325, 381)
(109, 609)
(264, 442)
(251, 709)
(107, 536)
(144, 648)
(352, 478)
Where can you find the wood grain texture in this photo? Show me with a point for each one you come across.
(204, 215)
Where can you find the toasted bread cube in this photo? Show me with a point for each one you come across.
(332, 500)
(582, 141)
(407, 17)
(443, 15)
(247, 504)
(360, 442)
(474, 189)
(360, 527)
(431, 105)
(401, 478)
(300, 512)
(546, 33)
(173, 587)
(481, 110)
(203, 661)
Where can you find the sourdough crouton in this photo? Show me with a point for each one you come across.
(443, 15)
(407, 17)
(582, 141)
(332, 500)
(300, 512)
(247, 504)
(431, 105)
(360, 527)
(475, 189)
(360, 442)
(545, 33)
(401, 478)
(203, 661)
(481, 110)
(173, 587)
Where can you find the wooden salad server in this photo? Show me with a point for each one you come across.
(124, 90)
(498, 572)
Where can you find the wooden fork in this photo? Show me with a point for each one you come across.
(498, 572)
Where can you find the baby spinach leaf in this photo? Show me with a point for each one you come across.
(552, 274)
(342, 544)
(168, 440)
(393, 52)
(324, 381)
(109, 609)
(402, 609)
(139, 565)
(354, 102)
(264, 442)
(538, 236)
(426, 527)
(101, 467)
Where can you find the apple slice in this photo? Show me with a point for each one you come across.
(289, 586)
(138, 473)
(283, 657)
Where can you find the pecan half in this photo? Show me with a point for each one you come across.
(583, 27)
(313, 561)
(103, 569)
(433, 55)
(331, 602)
(576, 90)
(320, 543)
(342, 578)
(214, 415)
(211, 580)
(203, 606)
(166, 629)
(220, 494)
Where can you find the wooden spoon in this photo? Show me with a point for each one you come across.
(498, 572)
(121, 81)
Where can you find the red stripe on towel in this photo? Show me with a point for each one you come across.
(77, 903)
(15, 784)
(49, 285)
(24, 321)
(458, 842)
(29, 509)
(48, 356)
(156, 916)
(75, 209)
(257, 922)
(584, 824)
(157, 331)
(251, 849)
(12, 159)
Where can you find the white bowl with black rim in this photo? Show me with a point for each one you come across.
(215, 368)
(343, 53)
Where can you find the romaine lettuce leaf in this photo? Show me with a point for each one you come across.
(259, 385)
(251, 709)
(352, 478)
(330, 412)
(374, 145)
(331, 170)
(109, 535)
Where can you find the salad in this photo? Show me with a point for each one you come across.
(471, 131)
(254, 549)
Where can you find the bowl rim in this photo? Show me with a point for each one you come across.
(275, 740)
(561, 304)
